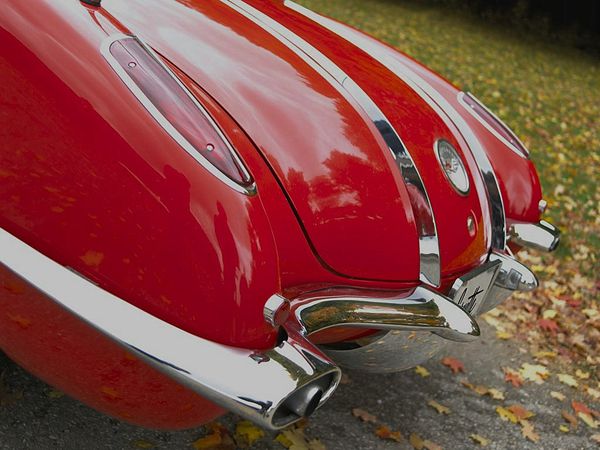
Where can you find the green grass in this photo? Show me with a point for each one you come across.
(549, 94)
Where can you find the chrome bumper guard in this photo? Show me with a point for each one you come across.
(540, 236)
(401, 347)
(415, 326)
(273, 388)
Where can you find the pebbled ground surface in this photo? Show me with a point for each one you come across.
(39, 421)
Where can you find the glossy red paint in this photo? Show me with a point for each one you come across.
(419, 126)
(89, 179)
(58, 347)
(93, 183)
(517, 176)
(328, 156)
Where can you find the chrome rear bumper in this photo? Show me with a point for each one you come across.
(277, 387)
(273, 388)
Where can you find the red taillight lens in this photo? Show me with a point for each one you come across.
(176, 109)
(493, 123)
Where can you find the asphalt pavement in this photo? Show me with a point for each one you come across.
(38, 419)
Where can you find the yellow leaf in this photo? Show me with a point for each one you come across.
(316, 444)
(480, 440)
(294, 438)
(588, 420)
(581, 374)
(283, 440)
(364, 415)
(529, 432)
(505, 335)
(549, 314)
(55, 394)
(540, 355)
(567, 379)
(441, 409)
(416, 441)
(496, 394)
(428, 445)
(420, 370)
(248, 432)
(505, 414)
(534, 372)
(557, 395)
(208, 442)
(593, 392)
(564, 428)
(141, 443)
(218, 438)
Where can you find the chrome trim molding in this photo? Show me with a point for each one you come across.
(276, 310)
(541, 236)
(438, 103)
(461, 100)
(165, 123)
(273, 388)
(420, 310)
(512, 277)
(430, 270)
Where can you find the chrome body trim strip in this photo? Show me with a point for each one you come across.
(430, 266)
(542, 236)
(165, 123)
(439, 104)
(461, 100)
(420, 310)
(270, 387)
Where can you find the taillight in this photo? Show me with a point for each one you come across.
(492, 123)
(176, 109)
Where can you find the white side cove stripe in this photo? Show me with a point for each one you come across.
(430, 268)
(437, 102)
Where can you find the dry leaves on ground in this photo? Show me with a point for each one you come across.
(441, 409)
(454, 364)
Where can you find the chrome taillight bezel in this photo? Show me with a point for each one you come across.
(486, 117)
(246, 184)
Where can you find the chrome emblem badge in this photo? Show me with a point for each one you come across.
(452, 165)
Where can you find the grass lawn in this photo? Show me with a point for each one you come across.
(550, 95)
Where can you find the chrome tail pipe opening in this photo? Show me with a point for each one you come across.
(273, 387)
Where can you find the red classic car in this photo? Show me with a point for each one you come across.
(211, 205)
